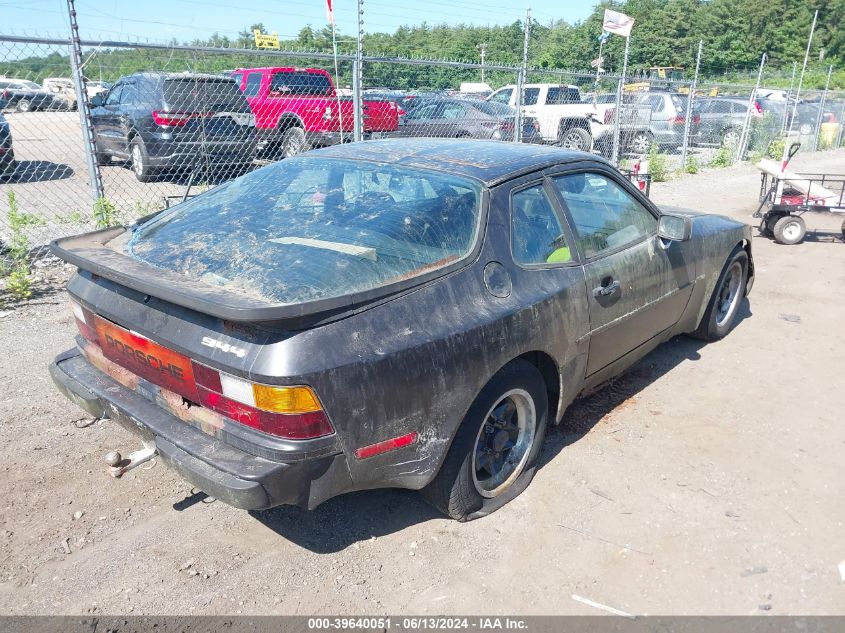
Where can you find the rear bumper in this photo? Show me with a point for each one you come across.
(168, 153)
(232, 475)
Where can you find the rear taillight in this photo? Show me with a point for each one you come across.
(758, 108)
(608, 115)
(177, 119)
(83, 317)
(290, 411)
(679, 120)
(829, 117)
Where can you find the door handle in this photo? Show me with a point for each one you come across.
(605, 291)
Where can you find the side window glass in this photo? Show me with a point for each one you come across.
(606, 216)
(114, 95)
(129, 96)
(453, 111)
(503, 96)
(529, 96)
(253, 84)
(536, 234)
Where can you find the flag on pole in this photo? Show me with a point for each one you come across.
(604, 37)
(619, 23)
(329, 11)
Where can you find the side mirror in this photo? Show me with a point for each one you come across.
(677, 228)
(97, 101)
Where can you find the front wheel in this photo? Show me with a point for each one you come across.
(730, 138)
(24, 105)
(494, 453)
(720, 315)
(576, 138)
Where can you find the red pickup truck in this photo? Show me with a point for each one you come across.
(297, 108)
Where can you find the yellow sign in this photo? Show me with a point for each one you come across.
(262, 40)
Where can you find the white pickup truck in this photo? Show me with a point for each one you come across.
(563, 117)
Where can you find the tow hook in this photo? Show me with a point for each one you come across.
(118, 465)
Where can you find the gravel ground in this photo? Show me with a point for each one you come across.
(708, 480)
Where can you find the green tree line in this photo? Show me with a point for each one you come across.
(666, 33)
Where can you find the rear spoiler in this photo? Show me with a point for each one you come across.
(91, 253)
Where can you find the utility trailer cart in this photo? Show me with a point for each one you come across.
(785, 196)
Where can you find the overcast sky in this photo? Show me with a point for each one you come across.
(161, 20)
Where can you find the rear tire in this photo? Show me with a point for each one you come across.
(789, 229)
(139, 160)
(728, 293)
(24, 105)
(641, 142)
(575, 138)
(293, 142)
(494, 453)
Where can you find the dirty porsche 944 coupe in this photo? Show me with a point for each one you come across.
(398, 313)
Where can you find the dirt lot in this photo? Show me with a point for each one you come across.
(707, 481)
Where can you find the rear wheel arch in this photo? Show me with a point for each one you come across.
(288, 120)
(552, 378)
(550, 371)
(566, 124)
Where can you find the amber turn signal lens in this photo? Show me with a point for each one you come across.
(285, 399)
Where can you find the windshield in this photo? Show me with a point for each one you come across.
(308, 228)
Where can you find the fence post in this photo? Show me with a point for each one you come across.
(520, 79)
(690, 101)
(94, 177)
(801, 78)
(818, 129)
(743, 138)
(841, 127)
(356, 100)
(620, 91)
(358, 76)
(788, 97)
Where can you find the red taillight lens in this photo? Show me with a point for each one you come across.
(292, 412)
(177, 119)
(679, 120)
(83, 317)
(294, 426)
(758, 109)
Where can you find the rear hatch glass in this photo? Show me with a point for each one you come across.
(309, 228)
(204, 94)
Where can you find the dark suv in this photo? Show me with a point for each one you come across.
(175, 123)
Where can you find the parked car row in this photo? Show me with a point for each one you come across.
(55, 93)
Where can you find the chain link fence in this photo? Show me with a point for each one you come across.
(171, 121)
